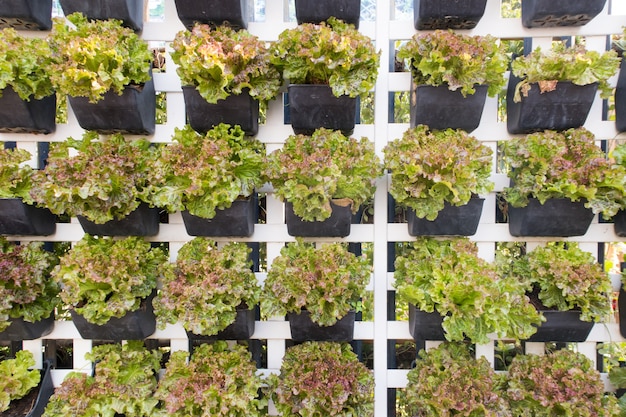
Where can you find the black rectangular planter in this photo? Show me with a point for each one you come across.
(425, 326)
(143, 221)
(303, 329)
(133, 112)
(619, 223)
(236, 221)
(451, 221)
(26, 14)
(316, 11)
(337, 225)
(557, 217)
(214, 12)
(24, 330)
(130, 12)
(552, 13)
(621, 307)
(447, 14)
(136, 325)
(240, 110)
(20, 219)
(564, 108)
(241, 329)
(34, 116)
(441, 108)
(562, 326)
(312, 106)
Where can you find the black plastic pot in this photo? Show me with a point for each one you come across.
(303, 329)
(136, 325)
(236, 221)
(34, 116)
(620, 100)
(143, 221)
(24, 330)
(18, 218)
(425, 326)
(337, 225)
(562, 326)
(564, 108)
(551, 13)
(619, 223)
(451, 221)
(241, 329)
(26, 14)
(440, 108)
(316, 11)
(240, 110)
(130, 12)
(557, 217)
(312, 106)
(447, 14)
(133, 112)
(214, 12)
(621, 306)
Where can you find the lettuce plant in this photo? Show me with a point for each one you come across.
(221, 61)
(26, 289)
(332, 53)
(101, 180)
(310, 171)
(566, 278)
(327, 281)
(101, 278)
(563, 63)
(431, 168)
(92, 57)
(204, 173)
(565, 164)
(218, 380)
(456, 60)
(124, 384)
(15, 175)
(322, 379)
(433, 387)
(16, 379)
(207, 286)
(448, 277)
(25, 65)
(562, 383)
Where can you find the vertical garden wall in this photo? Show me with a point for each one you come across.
(383, 117)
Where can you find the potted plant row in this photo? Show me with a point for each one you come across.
(439, 176)
(226, 76)
(559, 180)
(324, 179)
(212, 292)
(328, 65)
(19, 215)
(319, 289)
(109, 286)
(561, 382)
(28, 293)
(108, 182)
(452, 74)
(555, 89)
(27, 97)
